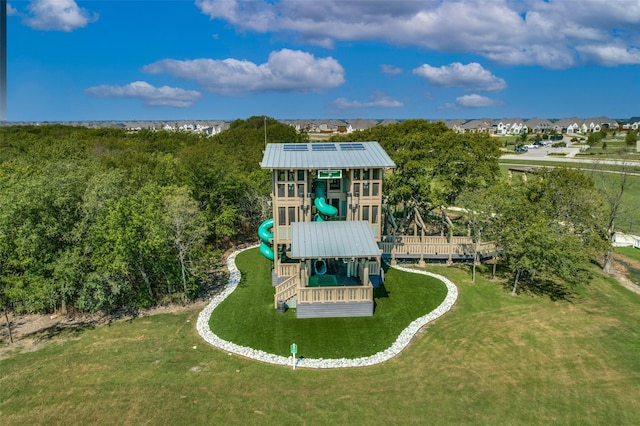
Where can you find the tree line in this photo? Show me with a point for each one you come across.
(103, 219)
(548, 228)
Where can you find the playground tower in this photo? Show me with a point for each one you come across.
(327, 222)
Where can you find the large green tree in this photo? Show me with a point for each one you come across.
(546, 227)
(103, 219)
(631, 138)
(434, 165)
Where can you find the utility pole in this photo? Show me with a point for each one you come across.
(265, 132)
(3, 60)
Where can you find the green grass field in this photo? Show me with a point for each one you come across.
(631, 252)
(248, 317)
(494, 360)
(629, 220)
(633, 265)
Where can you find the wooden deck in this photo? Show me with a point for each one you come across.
(348, 299)
(416, 247)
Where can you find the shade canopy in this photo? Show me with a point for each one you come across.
(313, 240)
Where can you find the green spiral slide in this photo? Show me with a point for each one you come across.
(320, 188)
(266, 236)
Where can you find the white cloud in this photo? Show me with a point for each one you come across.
(11, 11)
(390, 69)
(377, 100)
(285, 71)
(610, 55)
(472, 101)
(57, 15)
(470, 77)
(150, 95)
(551, 33)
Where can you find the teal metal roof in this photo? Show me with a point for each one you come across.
(312, 240)
(325, 155)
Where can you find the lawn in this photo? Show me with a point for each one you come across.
(629, 221)
(631, 252)
(493, 360)
(633, 265)
(247, 317)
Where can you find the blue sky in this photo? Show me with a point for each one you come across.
(295, 59)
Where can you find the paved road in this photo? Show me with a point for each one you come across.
(543, 154)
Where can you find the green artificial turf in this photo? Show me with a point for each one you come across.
(248, 317)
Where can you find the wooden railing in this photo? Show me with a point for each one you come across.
(374, 267)
(411, 245)
(411, 239)
(288, 269)
(362, 293)
(286, 290)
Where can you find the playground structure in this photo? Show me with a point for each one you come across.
(328, 228)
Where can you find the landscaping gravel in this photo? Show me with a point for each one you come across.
(401, 342)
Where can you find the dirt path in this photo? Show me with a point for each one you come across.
(31, 331)
(620, 272)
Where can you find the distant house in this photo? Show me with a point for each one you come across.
(338, 126)
(455, 125)
(632, 124)
(539, 125)
(596, 124)
(510, 126)
(388, 121)
(214, 129)
(361, 124)
(568, 125)
(482, 125)
(303, 125)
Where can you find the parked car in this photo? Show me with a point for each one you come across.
(521, 149)
(531, 146)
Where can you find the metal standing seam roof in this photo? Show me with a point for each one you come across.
(325, 155)
(312, 240)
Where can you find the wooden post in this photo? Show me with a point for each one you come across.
(303, 275)
(365, 272)
(393, 250)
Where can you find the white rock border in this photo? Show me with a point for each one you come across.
(401, 342)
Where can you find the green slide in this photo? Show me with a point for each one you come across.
(320, 189)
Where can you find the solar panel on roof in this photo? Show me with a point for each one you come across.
(294, 147)
(352, 147)
(323, 147)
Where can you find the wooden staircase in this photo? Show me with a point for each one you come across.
(286, 290)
